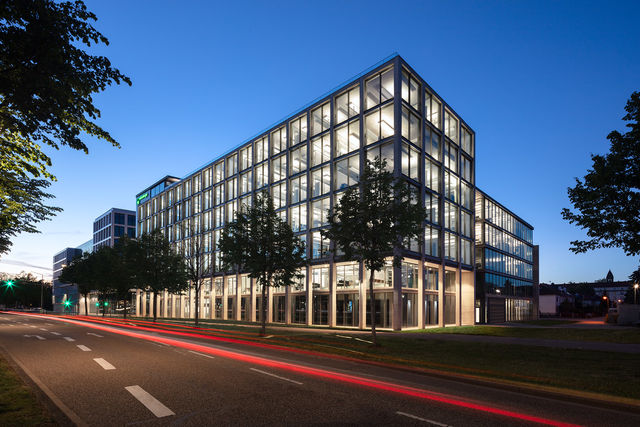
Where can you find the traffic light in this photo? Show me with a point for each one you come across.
(9, 283)
(67, 303)
(106, 303)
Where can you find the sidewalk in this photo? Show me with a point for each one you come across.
(578, 345)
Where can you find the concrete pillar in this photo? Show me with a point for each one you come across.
(165, 299)
(138, 311)
(396, 316)
(364, 285)
(252, 299)
(420, 298)
(143, 311)
(182, 303)
(225, 299)
(309, 297)
(236, 311)
(332, 293)
(441, 295)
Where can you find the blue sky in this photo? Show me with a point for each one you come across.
(541, 83)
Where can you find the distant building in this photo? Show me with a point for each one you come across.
(550, 299)
(63, 292)
(111, 225)
(615, 291)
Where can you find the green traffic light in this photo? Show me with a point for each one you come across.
(67, 303)
(106, 303)
(9, 283)
(97, 304)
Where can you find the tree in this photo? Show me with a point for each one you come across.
(24, 290)
(160, 268)
(375, 220)
(606, 201)
(198, 265)
(262, 244)
(46, 85)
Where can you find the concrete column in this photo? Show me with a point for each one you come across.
(165, 299)
(364, 285)
(224, 297)
(158, 304)
(287, 305)
(182, 303)
(396, 316)
(143, 312)
(441, 295)
(420, 298)
(192, 303)
(270, 304)
(309, 297)
(236, 311)
(458, 296)
(332, 293)
(138, 311)
(252, 299)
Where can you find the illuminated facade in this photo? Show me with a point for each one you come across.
(306, 161)
(506, 264)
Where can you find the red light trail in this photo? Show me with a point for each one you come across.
(315, 372)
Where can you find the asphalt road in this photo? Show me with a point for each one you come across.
(114, 376)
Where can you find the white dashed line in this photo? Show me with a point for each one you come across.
(201, 354)
(95, 335)
(276, 376)
(56, 333)
(105, 365)
(435, 423)
(36, 336)
(83, 347)
(43, 329)
(152, 404)
(69, 339)
(358, 339)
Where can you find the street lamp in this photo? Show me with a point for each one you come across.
(635, 293)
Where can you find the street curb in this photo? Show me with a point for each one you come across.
(61, 413)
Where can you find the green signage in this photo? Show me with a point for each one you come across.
(141, 197)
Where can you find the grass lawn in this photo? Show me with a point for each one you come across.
(622, 335)
(18, 405)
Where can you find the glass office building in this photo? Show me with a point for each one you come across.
(306, 162)
(506, 263)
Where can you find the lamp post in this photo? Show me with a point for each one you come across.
(635, 293)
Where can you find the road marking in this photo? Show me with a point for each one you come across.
(105, 365)
(43, 329)
(344, 336)
(358, 339)
(69, 339)
(32, 326)
(83, 347)
(435, 423)
(56, 333)
(159, 343)
(36, 336)
(201, 354)
(95, 335)
(152, 404)
(268, 336)
(276, 376)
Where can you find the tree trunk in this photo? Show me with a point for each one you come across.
(263, 330)
(197, 313)
(125, 308)
(155, 306)
(86, 310)
(373, 309)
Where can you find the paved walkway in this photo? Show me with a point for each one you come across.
(579, 345)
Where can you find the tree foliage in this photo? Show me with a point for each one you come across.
(158, 267)
(260, 243)
(374, 220)
(197, 264)
(606, 202)
(47, 82)
(27, 291)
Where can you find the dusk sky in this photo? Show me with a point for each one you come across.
(541, 83)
